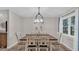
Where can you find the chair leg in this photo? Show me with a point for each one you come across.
(18, 47)
(26, 49)
(57, 47)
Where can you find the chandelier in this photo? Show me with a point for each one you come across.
(38, 17)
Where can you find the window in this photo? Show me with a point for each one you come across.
(65, 26)
(72, 25)
(69, 25)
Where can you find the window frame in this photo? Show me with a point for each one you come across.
(72, 25)
(65, 26)
(69, 25)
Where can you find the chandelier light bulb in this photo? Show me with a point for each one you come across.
(37, 20)
(41, 20)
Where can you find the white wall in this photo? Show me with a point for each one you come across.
(50, 26)
(14, 25)
(27, 25)
(78, 29)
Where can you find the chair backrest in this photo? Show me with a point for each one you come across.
(60, 35)
(18, 35)
(43, 41)
(31, 41)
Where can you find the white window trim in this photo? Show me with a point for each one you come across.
(69, 24)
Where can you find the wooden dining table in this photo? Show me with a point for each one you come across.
(39, 38)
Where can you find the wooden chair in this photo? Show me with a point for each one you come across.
(43, 44)
(20, 43)
(31, 45)
(55, 44)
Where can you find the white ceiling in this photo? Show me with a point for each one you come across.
(32, 11)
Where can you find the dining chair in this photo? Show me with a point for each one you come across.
(43, 44)
(19, 41)
(55, 44)
(59, 40)
(31, 45)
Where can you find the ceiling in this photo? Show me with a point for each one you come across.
(32, 11)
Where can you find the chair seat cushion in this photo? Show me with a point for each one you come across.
(43, 45)
(55, 43)
(23, 39)
(31, 45)
(21, 43)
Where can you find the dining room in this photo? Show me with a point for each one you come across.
(41, 28)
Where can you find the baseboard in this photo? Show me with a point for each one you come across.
(12, 45)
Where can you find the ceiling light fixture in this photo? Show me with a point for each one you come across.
(38, 17)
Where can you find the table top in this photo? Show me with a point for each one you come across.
(39, 36)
